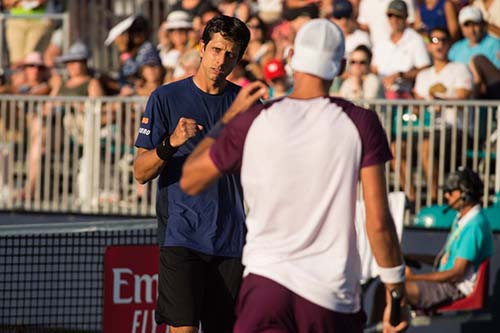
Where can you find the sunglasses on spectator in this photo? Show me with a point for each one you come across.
(339, 17)
(470, 23)
(437, 40)
(394, 15)
(359, 62)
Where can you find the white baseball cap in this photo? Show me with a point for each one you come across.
(118, 29)
(179, 19)
(470, 14)
(318, 49)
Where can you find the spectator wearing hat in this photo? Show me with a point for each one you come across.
(130, 37)
(398, 59)
(151, 73)
(343, 17)
(270, 11)
(480, 51)
(373, 18)
(431, 14)
(476, 39)
(35, 75)
(176, 28)
(276, 78)
(491, 14)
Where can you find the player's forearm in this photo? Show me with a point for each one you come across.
(147, 165)
(384, 242)
(199, 171)
(444, 276)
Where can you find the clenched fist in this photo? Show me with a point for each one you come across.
(186, 129)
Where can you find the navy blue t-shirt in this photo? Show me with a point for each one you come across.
(213, 221)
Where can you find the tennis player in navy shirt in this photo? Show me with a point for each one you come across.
(202, 236)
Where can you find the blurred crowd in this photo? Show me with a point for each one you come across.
(424, 49)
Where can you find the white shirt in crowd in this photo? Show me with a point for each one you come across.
(450, 78)
(356, 38)
(408, 53)
(373, 14)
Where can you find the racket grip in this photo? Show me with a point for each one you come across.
(395, 317)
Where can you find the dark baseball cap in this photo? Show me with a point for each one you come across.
(310, 10)
(398, 7)
(342, 8)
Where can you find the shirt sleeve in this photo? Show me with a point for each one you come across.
(153, 127)
(227, 150)
(463, 78)
(421, 55)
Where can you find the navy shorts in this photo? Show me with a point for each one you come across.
(194, 287)
(265, 306)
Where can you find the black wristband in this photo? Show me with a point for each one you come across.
(216, 130)
(165, 150)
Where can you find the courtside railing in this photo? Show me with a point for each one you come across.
(76, 154)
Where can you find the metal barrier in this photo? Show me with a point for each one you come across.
(76, 154)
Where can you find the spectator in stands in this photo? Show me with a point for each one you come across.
(491, 14)
(469, 243)
(276, 78)
(54, 49)
(476, 39)
(360, 83)
(298, 16)
(193, 7)
(177, 28)
(205, 14)
(398, 59)
(237, 8)
(480, 51)
(151, 72)
(445, 80)
(343, 17)
(270, 11)
(260, 48)
(131, 37)
(372, 18)
(23, 35)
(431, 14)
(189, 63)
(36, 76)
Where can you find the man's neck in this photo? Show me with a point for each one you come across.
(308, 86)
(440, 64)
(207, 85)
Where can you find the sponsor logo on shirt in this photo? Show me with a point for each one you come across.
(145, 120)
(144, 131)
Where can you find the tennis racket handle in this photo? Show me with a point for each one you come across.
(395, 317)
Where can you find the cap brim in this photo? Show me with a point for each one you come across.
(396, 12)
(118, 29)
(178, 25)
(69, 58)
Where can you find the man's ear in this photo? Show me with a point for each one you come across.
(202, 48)
(343, 64)
(289, 55)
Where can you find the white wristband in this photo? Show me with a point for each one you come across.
(392, 274)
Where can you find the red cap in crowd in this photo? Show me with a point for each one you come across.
(274, 69)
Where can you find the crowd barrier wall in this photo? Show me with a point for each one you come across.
(75, 155)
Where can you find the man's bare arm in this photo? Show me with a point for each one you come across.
(455, 274)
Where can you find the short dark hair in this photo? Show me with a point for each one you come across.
(440, 29)
(366, 50)
(230, 28)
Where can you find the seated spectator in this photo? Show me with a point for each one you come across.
(343, 16)
(491, 13)
(270, 11)
(469, 243)
(476, 39)
(177, 28)
(236, 8)
(54, 49)
(445, 80)
(373, 18)
(189, 63)
(398, 60)
(23, 35)
(151, 73)
(260, 49)
(359, 83)
(36, 76)
(298, 16)
(131, 37)
(480, 51)
(276, 78)
(431, 14)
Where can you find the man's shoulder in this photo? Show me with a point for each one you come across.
(172, 88)
(459, 45)
(491, 41)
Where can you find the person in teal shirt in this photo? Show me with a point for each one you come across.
(476, 39)
(469, 243)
